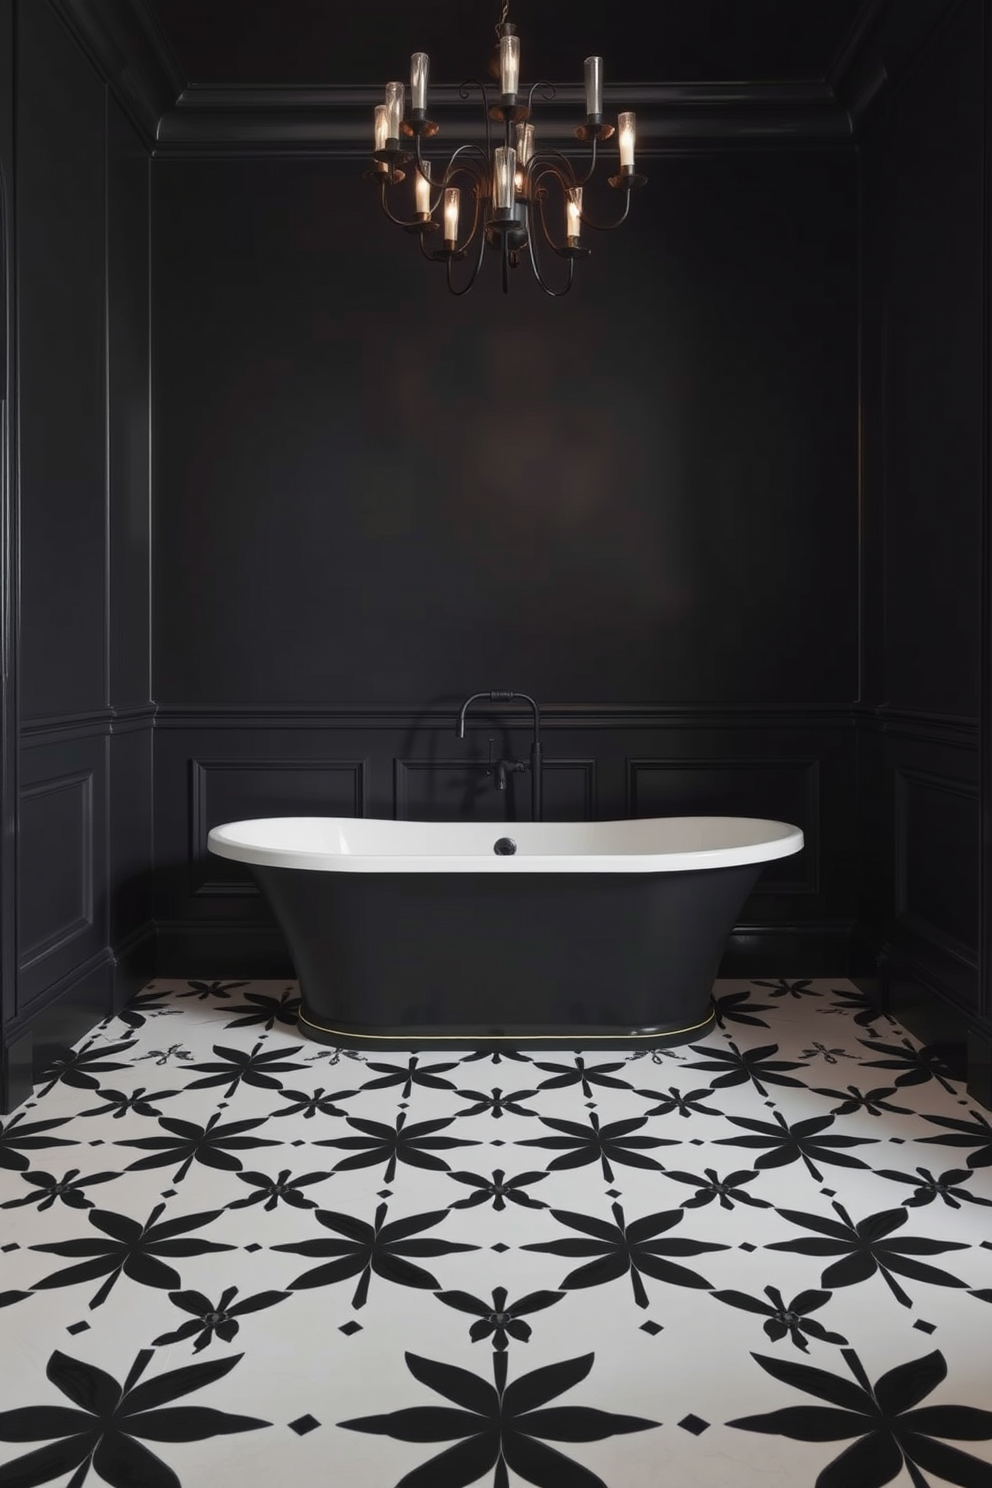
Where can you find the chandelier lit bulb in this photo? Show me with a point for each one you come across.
(518, 191)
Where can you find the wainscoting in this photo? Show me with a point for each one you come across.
(788, 764)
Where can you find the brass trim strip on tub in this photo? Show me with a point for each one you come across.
(507, 1038)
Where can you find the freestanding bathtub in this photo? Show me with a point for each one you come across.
(536, 934)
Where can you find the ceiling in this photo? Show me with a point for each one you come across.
(325, 42)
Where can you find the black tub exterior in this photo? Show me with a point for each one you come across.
(545, 960)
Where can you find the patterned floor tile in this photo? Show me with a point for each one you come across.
(229, 1255)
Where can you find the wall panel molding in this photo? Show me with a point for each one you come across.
(923, 875)
(571, 715)
(75, 827)
(207, 774)
(806, 773)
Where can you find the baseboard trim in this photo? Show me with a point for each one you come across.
(928, 1009)
(71, 1007)
(136, 960)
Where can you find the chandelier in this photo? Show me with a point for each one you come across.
(517, 192)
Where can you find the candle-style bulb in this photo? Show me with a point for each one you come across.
(626, 131)
(394, 108)
(422, 188)
(452, 206)
(381, 126)
(504, 185)
(573, 216)
(594, 87)
(509, 64)
(419, 69)
(524, 135)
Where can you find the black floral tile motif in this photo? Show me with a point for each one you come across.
(734, 1066)
(70, 1189)
(497, 1319)
(916, 1065)
(18, 1137)
(319, 1217)
(414, 1145)
(803, 1142)
(377, 1247)
(926, 1188)
(728, 1191)
(620, 1249)
(258, 1068)
(80, 1067)
(614, 1142)
(737, 1007)
(129, 1249)
(890, 1432)
(976, 1134)
(107, 1430)
(498, 1189)
(208, 1320)
(499, 1427)
(866, 1248)
(782, 1318)
(213, 1144)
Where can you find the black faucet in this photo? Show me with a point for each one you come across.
(503, 767)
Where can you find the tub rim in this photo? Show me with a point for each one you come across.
(781, 839)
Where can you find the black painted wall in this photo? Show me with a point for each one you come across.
(638, 503)
(745, 569)
(80, 241)
(926, 263)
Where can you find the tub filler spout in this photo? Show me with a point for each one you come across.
(503, 767)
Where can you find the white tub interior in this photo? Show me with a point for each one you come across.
(367, 845)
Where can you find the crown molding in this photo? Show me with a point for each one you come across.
(124, 44)
(178, 118)
(336, 120)
(886, 40)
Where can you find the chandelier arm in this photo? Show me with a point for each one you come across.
(593, 162)
(463, 92)
(556, 294)
(548, 91)
(539, 196)
(609, 226)
(400, 222)
(470, 283)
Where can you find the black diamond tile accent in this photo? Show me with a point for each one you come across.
(746, 1246)
(168, 1193)
(612, 1193)
(697, 1142)
(652, 1328)
(769, 1103)
(962, 1102)
(500, 1247)
(828, 1192)
(77, 1328)
(498, 1143)
(303, 1424)
(349, 1328)
(222, 1105)
(404, 1105)
(8, 1248)
(590, 1105)
(925, 1327)
(694, 1424)
(97, 1143)
(253, 1247)
(897, 1140)
(384, 1193)
(298, 1143)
